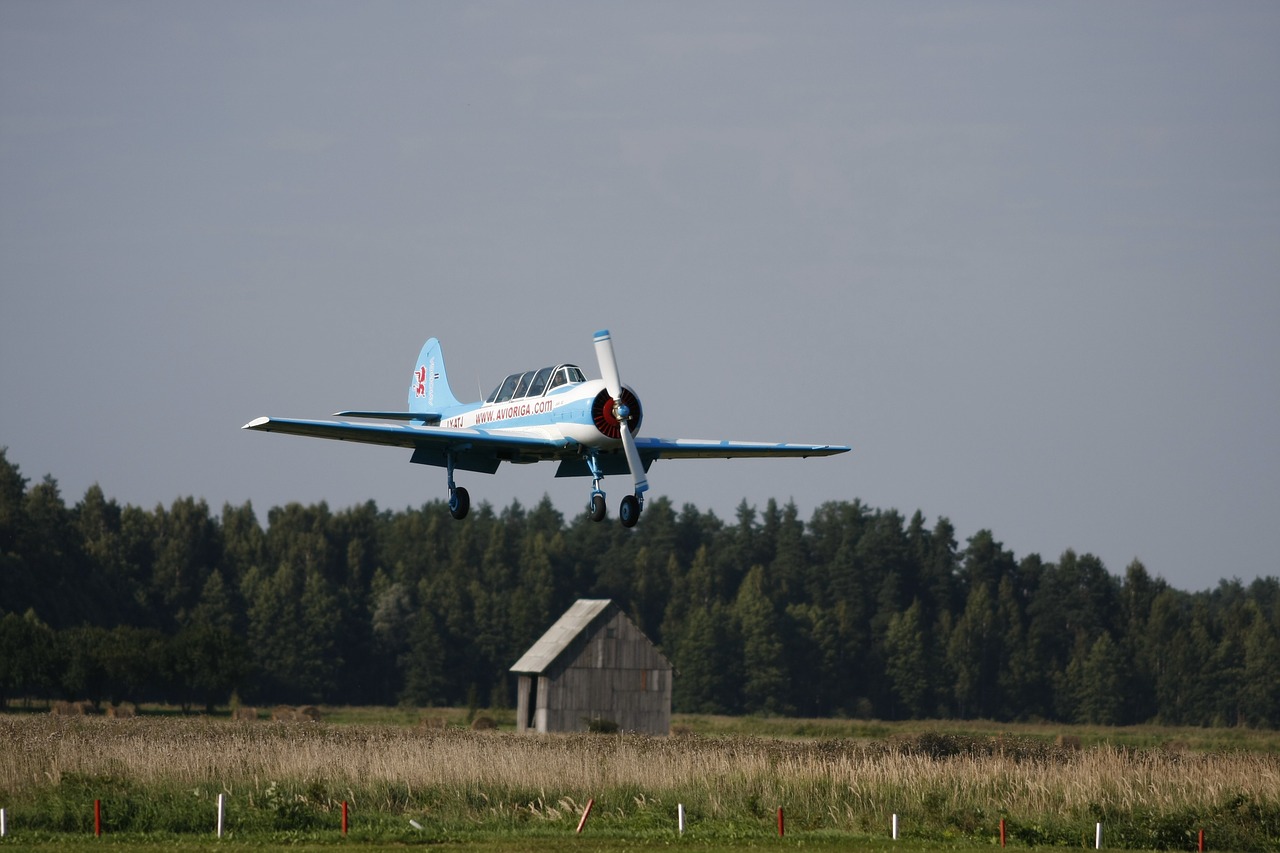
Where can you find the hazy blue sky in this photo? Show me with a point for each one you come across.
(1024, 258)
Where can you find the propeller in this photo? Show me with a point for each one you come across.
(609, 373)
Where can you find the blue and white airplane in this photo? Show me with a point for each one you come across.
(555, 413)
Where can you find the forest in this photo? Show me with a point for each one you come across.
(856, 612)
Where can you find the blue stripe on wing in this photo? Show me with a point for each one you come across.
(689, 448)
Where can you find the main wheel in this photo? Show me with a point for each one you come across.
(459, 503)
(629, 511)
(597, 508)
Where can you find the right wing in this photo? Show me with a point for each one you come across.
(691, 448)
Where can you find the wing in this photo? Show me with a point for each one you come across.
(479, 450)
(692, 448)
(473, 449)
(652, 449)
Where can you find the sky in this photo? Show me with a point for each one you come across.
(1023, 258)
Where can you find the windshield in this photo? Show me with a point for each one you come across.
(535, 383)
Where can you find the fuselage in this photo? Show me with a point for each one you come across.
(576, 410)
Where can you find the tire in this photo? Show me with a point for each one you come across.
(629, 511)
(597, 507)
(459, 503)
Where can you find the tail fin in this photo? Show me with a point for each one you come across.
(429, 387)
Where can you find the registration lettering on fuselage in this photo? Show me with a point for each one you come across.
(501, 412)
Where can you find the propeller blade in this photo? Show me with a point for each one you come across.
(608, 364)
(633, 460)
(612, 382)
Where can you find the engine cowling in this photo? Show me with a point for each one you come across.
(604, 413)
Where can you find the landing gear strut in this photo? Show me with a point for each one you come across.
(596, 506)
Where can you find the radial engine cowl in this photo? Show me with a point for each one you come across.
(605, 413)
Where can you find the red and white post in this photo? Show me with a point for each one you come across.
(585, 814)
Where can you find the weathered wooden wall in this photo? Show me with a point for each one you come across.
(616, 674)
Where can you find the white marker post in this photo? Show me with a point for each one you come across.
(895, 827)
(680, 816)
(220, 815)
(1097, 837)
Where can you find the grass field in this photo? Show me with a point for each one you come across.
(839, 783)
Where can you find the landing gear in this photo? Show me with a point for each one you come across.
(459, 500)
(629, 511)
(596, 508)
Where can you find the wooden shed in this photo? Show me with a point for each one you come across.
(593, 664)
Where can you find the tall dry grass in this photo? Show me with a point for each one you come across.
(941, 784)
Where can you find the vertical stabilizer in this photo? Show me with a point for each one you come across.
(429, 387)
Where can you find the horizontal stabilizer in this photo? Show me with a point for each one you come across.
(430, 418)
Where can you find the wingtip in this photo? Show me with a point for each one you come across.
(256, 422)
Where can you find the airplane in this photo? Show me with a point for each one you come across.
(553, 413)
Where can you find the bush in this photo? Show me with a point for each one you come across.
(600, 726)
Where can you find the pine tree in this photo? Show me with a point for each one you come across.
(708, 659)
(1260, 700)
(973, 655)
(765, 685)
(1101, 689)
(907, 662)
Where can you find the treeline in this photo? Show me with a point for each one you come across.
(858, 611)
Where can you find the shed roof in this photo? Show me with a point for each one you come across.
(559, 636)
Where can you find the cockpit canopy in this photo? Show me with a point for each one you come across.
(535, 383)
